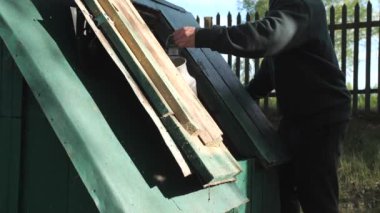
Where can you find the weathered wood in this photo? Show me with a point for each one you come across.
(368, 59)
(359, 24)
(229, 24)
(247, 66)
(378, 75)
(237, 58)
(356, 59)
(344, 40)
(208, 21)
(161, 70)
(209, 162)
(11, 85)
(149, 109)
(261, 136)
(332, 23)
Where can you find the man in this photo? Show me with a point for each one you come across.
(301, 65)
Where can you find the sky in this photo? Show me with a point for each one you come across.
(204, 8)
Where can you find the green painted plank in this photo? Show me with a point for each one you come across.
(265, 190)
(10, 131)
(5, 134)
(110, 175)
(45, 169)
(78, 198)
(47, 184)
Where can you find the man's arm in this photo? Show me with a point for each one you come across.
(282, 29)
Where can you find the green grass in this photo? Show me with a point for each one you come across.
(359, 171)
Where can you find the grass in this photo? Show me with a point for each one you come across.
(359, 172)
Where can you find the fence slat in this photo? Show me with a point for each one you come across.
(247, 66)
(229, 24)
(332, 24)
(237, 59)
(356, 59)
(344, 40)
(207, 20)
(368, 60)
(378, 74)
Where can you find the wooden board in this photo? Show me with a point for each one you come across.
(11, 85)
(161, 70)
(164, 133)
(261, 140)
(212, 163)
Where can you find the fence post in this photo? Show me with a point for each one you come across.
(332, 24)
(368, 59)
(229, 24)
(208, 21)
(237, 59)
(344, 40)
(246, 64)
(378, 71)
(356, 58)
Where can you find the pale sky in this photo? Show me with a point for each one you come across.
(204, 8)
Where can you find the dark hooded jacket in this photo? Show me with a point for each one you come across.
(299, 59)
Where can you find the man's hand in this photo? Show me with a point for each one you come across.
(184, 37)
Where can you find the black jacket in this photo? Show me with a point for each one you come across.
(300, 62)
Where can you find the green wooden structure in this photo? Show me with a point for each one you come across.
(74, 137)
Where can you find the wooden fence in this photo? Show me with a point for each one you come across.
(367, 99)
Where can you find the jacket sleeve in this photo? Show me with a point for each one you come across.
(281, 29)
(262, 83)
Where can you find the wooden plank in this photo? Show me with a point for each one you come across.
(356, 59)
(264, 141)
(10, 131)
(358, 24)
(110, 175)
(217, 169)
(378, 75)
(229, 24)
(237, 58)
(368, 60)
(5, 138)
(204, 172)
(44, 184)
(247, 66)
(149, 109)
(208, 95)
(161, 70)
(344, 41)
(332, 24)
